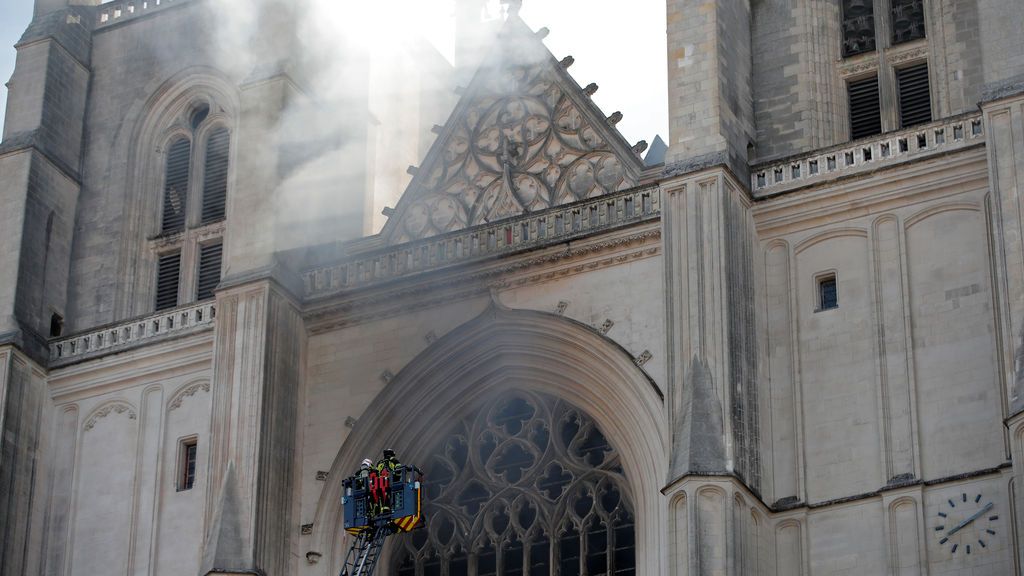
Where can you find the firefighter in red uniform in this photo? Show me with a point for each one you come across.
(385, 470)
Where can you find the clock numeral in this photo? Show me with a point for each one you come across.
(951, 503)
(964, 496)
(990, 531)
(940, 528)
(943, 514)
(955, 546)
(968, 548)
(982, 542)
(977, 498)
(944, 540)
(993, 518)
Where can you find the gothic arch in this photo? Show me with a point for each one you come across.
(541, 353)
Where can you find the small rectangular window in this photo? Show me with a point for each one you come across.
(865, 113)
(209, 270)
(828, 294)
(187, 452)
(915, 97)
(858, 27)
(167, 274)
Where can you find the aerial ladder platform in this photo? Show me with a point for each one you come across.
(378, 504)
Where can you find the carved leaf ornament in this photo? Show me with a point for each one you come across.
(526, 484)
(518, 142)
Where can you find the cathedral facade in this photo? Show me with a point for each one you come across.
(788, 341)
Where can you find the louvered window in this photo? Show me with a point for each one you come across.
(915, 100)
(209, 270)
(215, 179)
(865, 115)
(858, 27)
(167, 274)
(176, 186)
(907, 20)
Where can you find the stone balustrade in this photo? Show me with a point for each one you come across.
(867, 154)
(121, 11)
(115, 337)
(532, 230)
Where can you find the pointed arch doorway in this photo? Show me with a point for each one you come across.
(494, 388)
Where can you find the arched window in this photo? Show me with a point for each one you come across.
(176, 185)
(523, 485)
(188, 253)
(215, 177)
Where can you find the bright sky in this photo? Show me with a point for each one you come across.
(618, 45)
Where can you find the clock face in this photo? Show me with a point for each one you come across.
(966, 524)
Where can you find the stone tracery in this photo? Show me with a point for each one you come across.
(520, 145)
(526, 484)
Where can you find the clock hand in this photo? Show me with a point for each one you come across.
(967, 521)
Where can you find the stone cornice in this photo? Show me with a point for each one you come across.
(867, 155)
(781, 507)
(122, 336)
(529, 232)
(537, 266)
(871, 192)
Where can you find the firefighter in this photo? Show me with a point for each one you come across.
(385, 470)
(389, 461)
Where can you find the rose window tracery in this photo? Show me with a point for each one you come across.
(522, 486)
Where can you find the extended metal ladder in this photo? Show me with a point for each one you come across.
(362, 555)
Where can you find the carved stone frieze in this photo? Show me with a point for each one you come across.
(113, 407)
(858, 67)
(187, 391)
(896, 58)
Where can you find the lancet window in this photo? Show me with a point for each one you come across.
(188, 246)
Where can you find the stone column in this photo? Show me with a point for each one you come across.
(23, 397)
(708, 239)
(1004, 123)
(712, 397)
(259, 339)
(709, 93)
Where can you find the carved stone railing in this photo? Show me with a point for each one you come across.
(130, 333)
(868, 154)
(551, 226)
(126, 9)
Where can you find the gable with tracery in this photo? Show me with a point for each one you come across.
(524, 137)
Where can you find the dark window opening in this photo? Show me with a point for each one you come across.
(907, 20)
(215, 177)
(198, 115)
(209, 270)
(187, 464)
(828, 293)
(56, 325)
(914, 95)
(865, 113)
(858, 27)
(167, 274)
(176, 186)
